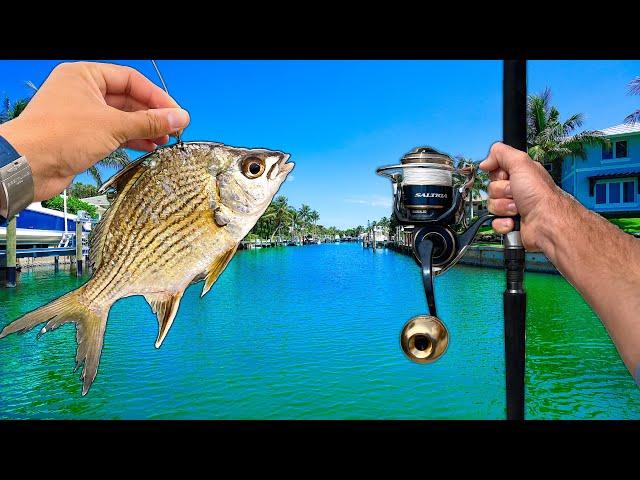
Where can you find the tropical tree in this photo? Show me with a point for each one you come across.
(305, 212)
(314, 216)
(117, 159)
(480, 182)
(83, 190)
(550, 140)
(74, 205)
(634, 89)
(278, 212)
(12, 110)
(295, 220)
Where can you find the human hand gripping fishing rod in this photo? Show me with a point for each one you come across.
(429, 200)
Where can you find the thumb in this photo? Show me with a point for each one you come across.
(152, 123)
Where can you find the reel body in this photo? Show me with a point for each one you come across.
(430, 194)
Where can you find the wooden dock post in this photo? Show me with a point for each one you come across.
(56, 264)
(78, 248)
(11, 252)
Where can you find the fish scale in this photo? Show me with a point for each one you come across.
(151, 230)
(137, 253)
(178, 217)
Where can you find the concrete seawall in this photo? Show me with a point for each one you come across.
(485, 256)
(493, 257)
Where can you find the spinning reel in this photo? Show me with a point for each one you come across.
(430, 195)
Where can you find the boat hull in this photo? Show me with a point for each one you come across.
(26, 236)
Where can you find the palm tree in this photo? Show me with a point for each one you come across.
(634, 89)
(117, 159)
(11, 110)
(295, 218)
(550, 140)
(278, 212)
(314, 216)
(480, 182)
(305, 212)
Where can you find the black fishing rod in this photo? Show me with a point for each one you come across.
(514, 134)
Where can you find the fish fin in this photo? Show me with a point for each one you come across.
(98, 235)
(165, 306)
(90, 327)
(121, 178)
(216, 269)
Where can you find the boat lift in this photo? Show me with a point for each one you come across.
(67, 247)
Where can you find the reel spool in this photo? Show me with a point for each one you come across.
(430, 195)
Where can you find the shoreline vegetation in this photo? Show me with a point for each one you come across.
(284, 222)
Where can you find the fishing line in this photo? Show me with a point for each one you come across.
(427, 176)
(155, 65)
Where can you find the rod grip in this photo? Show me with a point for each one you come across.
(514, 259)
(515, 308)
(516, 222)
(514, 334)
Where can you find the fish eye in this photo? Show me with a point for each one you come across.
(252, 167)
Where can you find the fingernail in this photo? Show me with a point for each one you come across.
(511, 207)
(178, 118)
(507, 189)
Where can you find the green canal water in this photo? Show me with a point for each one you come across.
(312, 333)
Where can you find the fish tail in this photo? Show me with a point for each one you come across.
(90, 327)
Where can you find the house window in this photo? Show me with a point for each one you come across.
(601, 193)
(629, 192)
(621, 149)
(616, 192)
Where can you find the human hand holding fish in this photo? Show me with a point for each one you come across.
(82, 113)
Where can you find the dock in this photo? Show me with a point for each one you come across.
(69, 247)
(41, 252)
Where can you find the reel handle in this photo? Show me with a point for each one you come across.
(424, 338)
(425, 251)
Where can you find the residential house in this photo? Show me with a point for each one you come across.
(607, 180)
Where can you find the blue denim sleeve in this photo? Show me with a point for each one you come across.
(7, 153)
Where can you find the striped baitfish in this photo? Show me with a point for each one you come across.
(178, 217)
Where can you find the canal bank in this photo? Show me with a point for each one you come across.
(491, 256)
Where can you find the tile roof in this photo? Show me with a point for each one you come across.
(623, 128)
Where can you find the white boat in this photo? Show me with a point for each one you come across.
(37, 225)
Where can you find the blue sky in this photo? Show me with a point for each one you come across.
(342, 119)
